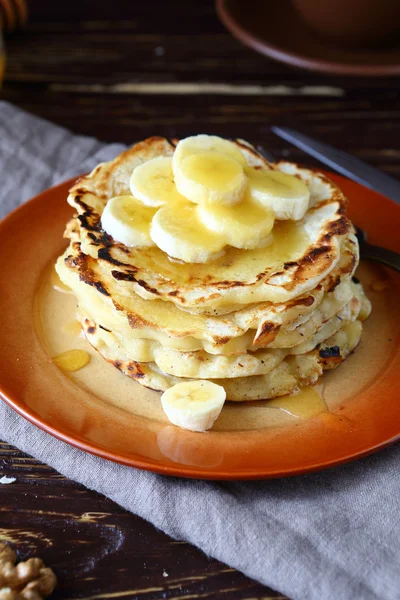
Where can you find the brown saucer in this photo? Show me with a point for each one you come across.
(278, 32)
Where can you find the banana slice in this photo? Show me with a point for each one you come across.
(205, 143)
(210, 177)
(285, 195)
(193, 405)
(128, 221)
(176, 229)
(153, 182)
(244, 225)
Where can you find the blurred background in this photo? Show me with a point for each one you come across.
(122, 70)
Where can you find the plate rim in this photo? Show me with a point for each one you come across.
(191, 471)
(301, 61)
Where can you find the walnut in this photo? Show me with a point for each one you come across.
(28, 580)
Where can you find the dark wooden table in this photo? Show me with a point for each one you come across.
(121, 71)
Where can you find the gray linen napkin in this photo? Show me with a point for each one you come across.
(327, 536)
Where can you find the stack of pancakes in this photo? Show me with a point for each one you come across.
(261, 323)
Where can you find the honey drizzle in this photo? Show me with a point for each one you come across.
(289, 242)
(72, 360)
(306, 404)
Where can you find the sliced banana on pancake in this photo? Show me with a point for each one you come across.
(177, 230)
(206, 143)
(127, 221)
(251, 276)
(210, 177)
(193, 405)
(287, 196)
(153, 182)
(244, 225)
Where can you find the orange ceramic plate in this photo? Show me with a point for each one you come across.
(31, 384)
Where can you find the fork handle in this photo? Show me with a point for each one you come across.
(380, 255)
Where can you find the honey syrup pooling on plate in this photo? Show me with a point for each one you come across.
(72, 360)
(308, 403)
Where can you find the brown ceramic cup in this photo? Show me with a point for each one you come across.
(356, 23)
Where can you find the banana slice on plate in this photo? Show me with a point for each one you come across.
(285, 195)
(177, 230)
(128, 221)
(193, 405)
(153, 182)
(244, 225)
(210, 177)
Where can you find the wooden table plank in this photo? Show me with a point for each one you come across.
(92, 96)
(99, 550)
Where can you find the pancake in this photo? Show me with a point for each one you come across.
(202, 365)
(260, 322)
(287, 377)
(300, 256)
(258, 325)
